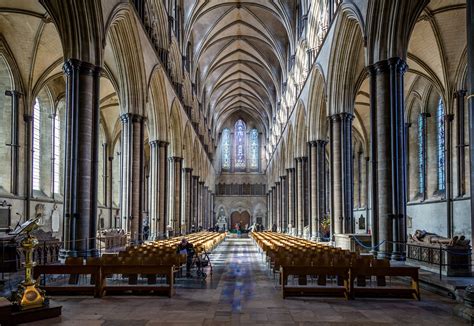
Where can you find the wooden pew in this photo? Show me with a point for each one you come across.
(341, 273)
(165, 270)
(385, 291)
(59, 269)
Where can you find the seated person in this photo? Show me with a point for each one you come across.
(186, 248)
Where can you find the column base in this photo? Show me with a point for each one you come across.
(398, 256)
(65, 253)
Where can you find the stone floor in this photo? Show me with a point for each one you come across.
(241, 291)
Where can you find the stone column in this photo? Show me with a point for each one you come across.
(305, 192)
(174, 216)
(336, 173)
(313, 188)
(320, 186)
(387, 128)
(470, 103)
(153, 193)
(461, 143)
(195, 199)
(200, 204)
(272, 200)
(284, 204)
(347, 172)
(28, 168)
(125, 164)
(162, 180)
(291, 200)
(137, 177)
(278, 207)
(205, 207)
(299, 197)
(132, 175)
(187, 197)
(270, 209)
(14, 142)
(81, 158)
(110, 200)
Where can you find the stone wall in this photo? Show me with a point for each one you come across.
(255, 205)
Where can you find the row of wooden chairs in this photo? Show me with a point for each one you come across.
(303, 259)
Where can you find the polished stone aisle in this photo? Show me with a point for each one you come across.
(241, 291)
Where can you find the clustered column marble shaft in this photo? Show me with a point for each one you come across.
(153, 193)
(132, 174)
(284, 204)
(278, 205)
(300, 196)
(187, 208)
(321, 184)
(81, 158)
(174, 217)
(270, 209)
(342, 175)
(14, 141)
(388, 145)
(291, 200)
(162, 188)
(313, 187)
(195, 199)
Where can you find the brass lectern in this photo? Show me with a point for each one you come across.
(29, 295)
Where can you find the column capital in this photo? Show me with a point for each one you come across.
(27, 118)
(137, 117)
(188, 170)
(201, 183)
(282, 177)
(312, 143)
(277, 183)
(321, 142)
(13, 93)
(425, 114)
(460, 93)
(290, 170)
(125, 117)
(385, 65)
(153, 143)
(162, 143)
(334, 117)
(301, 159)
(84, 68)
(346, 116)
(175, 159)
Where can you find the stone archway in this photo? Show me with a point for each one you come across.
(239, 217)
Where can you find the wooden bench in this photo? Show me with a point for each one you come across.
(60, 269)
(152, 287)
(382, 290)
(342, 274)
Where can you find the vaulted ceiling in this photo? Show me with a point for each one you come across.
(240, 55)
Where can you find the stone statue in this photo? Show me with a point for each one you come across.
(425, 237)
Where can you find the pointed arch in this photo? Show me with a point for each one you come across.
(176, 141)
(158, 104)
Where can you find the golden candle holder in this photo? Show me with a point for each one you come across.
(29, 295)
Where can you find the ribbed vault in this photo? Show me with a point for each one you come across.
(240, 56)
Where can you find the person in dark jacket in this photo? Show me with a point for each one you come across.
(186, 248)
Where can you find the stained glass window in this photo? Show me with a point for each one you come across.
(57, 153)
(421, 154)
(239, 140)
(226, 154)
(253, 150)
(36, 145)
(441, 145)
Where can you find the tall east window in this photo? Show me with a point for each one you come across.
(226, 151)
(253, 150)
(239, 140)
(36, 145)
(421, 154)
(441, 146)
